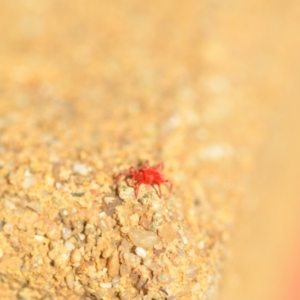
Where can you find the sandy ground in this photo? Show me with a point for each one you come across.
(86, 92)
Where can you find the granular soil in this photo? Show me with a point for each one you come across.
(89, 90)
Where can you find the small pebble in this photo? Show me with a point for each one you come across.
(201, 245)
(78, 289)
(167, 232)
(64, 212)
(147, 262)
(125, 296)
(69, 246)
(126, 193)
(53, 233)
(34, 205)
(113, 264)
(61, 261)
(76, 256)
(10, 205)
(81, 169)
(8, 228)
(116, 280)
(1, 253)
(191, 272)
(54, 253)
(66, 233)
(39, 238)
(145, 272)
(140, 252)
(27, 183)
(70, 280)
(131, 260)
(134, 219)
(109, 199)
(124, 270)
(185, 240)
(81, 237)
(27, 173)
(140, 284)
(143, 238)
(155, 267)
(57, 185)
(107, 253)
(105, 285)
(77, 194)
(102, 214)
(92, 274)
(163, 278)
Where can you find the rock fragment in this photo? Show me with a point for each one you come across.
(113, 265)
(143, 238)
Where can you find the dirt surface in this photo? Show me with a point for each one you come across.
(89, 90)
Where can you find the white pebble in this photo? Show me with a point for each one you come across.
(81, 236)
(27, 183)
(81, 169)
(57, 185)
(143, 238)
(102, 214)
(70, 280)
(8, 228)
(66, 233)
(64, 212)
(10, 205)
(140, 252)
(92, 274)
(65, 256)
(61, 261)
(131, 260)
(76, 256)
(109, 199)
(27, 173)
(163, 278)
(201, 244)
(39, 238)
(106, 285)
(185, 240)
(69, 246)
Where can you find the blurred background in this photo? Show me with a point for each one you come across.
(188, 74)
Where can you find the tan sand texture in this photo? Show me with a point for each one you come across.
(89, 89)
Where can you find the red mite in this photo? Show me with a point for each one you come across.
(146, 174)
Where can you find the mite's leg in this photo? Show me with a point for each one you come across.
(170, 185)
(159, 190)
(124, 174)
(136, 190)
(160, 166)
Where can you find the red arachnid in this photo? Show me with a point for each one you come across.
(146, 174)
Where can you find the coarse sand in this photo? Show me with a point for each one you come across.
(88, 90)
